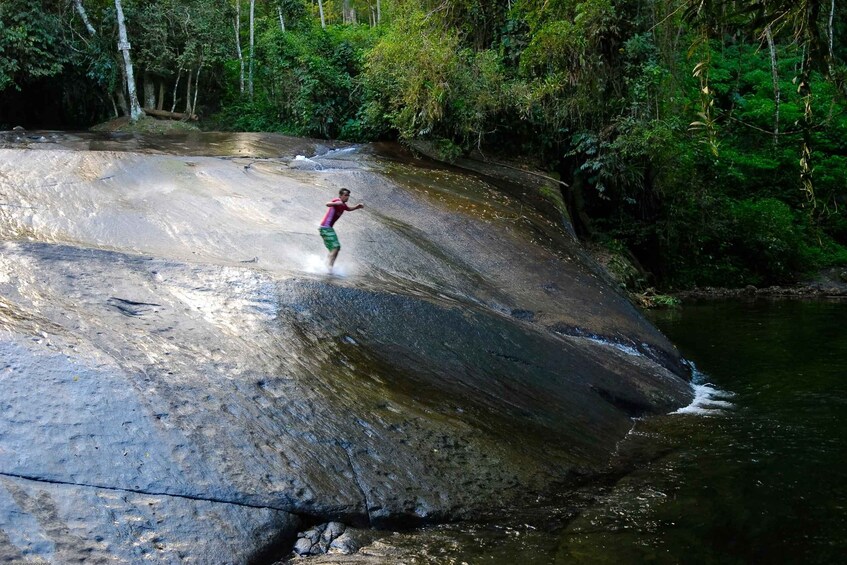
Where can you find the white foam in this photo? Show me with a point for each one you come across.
(316, 265)
(628, 349)
(340, 270)
(709, 400)
(303, 162)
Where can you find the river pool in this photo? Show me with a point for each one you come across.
(756, 476)
(764, 482)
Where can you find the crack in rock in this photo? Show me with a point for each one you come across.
(349, 451)
(130, 307)
(143, 492)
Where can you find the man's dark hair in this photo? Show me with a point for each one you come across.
(343, 191)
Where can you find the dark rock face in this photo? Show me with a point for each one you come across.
(166, 397)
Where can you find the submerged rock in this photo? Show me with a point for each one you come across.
(463, 358)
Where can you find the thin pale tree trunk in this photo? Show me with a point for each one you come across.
(252, 46)
(830, 59)
(775, 76)
(238, 42)
(196, 90)
(135, 111)
(831, 16)
(378, 12)
(321, 8)
(281, 21)
(81, 11)
(176, 86)
(188, 92)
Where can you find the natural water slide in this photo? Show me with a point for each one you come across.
(180, 380)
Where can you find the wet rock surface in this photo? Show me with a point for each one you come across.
(69, 523)
(181, 381)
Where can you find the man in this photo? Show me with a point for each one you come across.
(337, 206)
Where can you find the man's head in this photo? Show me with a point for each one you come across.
(344, 194)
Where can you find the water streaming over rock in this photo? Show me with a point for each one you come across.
(180, 379)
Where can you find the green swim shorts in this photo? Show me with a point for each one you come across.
(330, 239)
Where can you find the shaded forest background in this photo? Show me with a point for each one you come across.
(704, 139)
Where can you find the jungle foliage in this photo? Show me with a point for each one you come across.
(706, 138)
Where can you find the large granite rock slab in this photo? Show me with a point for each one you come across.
(179, 380)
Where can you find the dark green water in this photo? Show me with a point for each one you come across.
(767, 481)
(758, 477)
(761, 481)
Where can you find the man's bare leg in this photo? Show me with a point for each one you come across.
(330, 260)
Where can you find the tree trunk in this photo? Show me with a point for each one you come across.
(252, 50)
(161, 103)
(775, 76)
(345, 12)
(238, 42)
(321, 8)
(837, 78)
(122, 102)
(196, 90)
(188, 93)
(575, 203)
(281, 21)
(81, 10)
(169, 115)
(378, 12)
(176, 86)
(149, 91)
(124, 46)
(831, 16)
